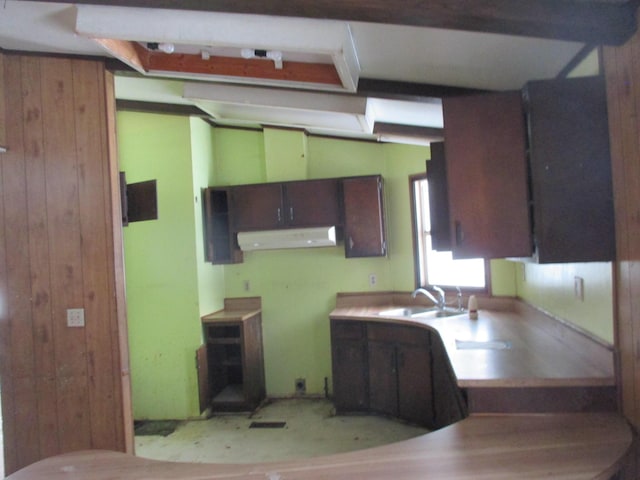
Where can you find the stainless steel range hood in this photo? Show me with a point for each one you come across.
(287, 238)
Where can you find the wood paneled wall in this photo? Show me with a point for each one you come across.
(63, 388)
(622, 70)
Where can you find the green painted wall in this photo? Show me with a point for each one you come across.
(551, 287)
(285, 154)
(169, 285)
(164, 263)
(210, 277)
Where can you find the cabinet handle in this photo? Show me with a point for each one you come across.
(351, 244)
(459, 233)
(279, 215)
(291, 213)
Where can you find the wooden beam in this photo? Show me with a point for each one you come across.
(129, 52)
(575, 61)
(156, 107)
(588, 21)
(409, 131)
(319, 73)
(370, 87)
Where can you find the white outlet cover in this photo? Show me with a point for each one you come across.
(75, 317)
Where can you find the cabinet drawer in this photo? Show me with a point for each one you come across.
(398, 334)
(347, 330)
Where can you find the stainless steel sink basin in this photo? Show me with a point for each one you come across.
(407, 311)
(420, 312)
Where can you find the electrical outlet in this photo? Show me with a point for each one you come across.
(578, 288)
(373, 280)
(246, 285)
(75, 317)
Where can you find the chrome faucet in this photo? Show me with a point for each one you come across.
(440, 301)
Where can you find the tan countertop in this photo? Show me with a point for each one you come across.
(538, 356)
(235, 310)
(230, 316)
(558, 446)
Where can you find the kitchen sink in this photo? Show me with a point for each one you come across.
(420, 312)
(407, 311)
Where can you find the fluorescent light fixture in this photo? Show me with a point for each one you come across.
(287, 238)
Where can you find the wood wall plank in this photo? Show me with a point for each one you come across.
(38, 250)
(62, 387)
(622, 71)
(63, 212)
(90, 147)
(116, 247)
(6, 361)
(3, 114)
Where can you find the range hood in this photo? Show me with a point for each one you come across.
(287, 238)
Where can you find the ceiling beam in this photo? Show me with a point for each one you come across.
(590, 21)
(409, 91)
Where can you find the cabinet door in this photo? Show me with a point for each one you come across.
(257, 207)
(220, 242)
(439, 199)
(487, 175)
(364, 229)
(415, 398)
(383, 378)
(571, 170)
(349, 366)
(349, 376)
(312, 203)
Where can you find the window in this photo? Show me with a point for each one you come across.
(438, 267)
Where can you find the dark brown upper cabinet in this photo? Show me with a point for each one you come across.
(572, 194)
(486, 167)
(530, 172)
(438, 199)
(268, 206)
(257, 207)
(220, 242)
(312, 203)
(353, 205)
(364, 226)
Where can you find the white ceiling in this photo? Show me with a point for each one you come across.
(384, 52)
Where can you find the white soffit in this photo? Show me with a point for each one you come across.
(422, 114)
(280, 107)
(194, 29)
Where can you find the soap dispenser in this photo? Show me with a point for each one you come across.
(473, 307)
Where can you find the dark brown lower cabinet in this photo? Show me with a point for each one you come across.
(400, 381)
(235, 366)
(349, 354)
(384, 369)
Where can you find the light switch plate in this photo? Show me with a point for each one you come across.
(75, 317)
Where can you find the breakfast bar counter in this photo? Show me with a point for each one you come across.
(556, 446)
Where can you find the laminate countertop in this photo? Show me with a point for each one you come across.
(511, 344)
(555, 446)
(235, 310)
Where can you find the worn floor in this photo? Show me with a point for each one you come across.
(311, 430)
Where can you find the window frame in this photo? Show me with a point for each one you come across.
(416, 246)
